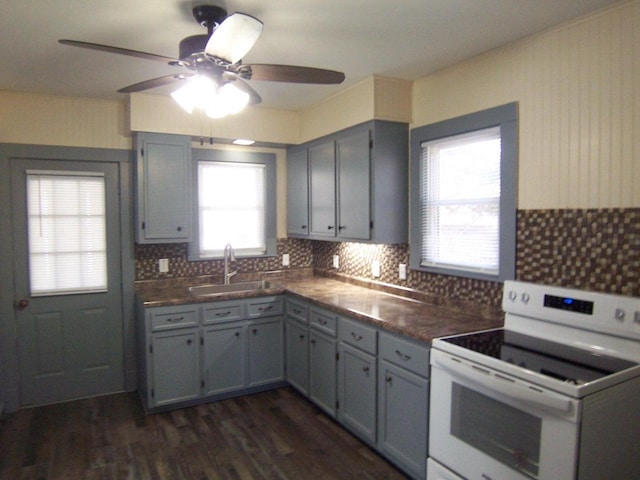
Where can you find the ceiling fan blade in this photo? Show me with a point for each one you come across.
(293, 74)
(154, 82)
(118, 50)
(234, 37)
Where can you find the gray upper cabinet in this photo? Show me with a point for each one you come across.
(357, 185)
(322, 190)
(298, 193)
(163, 199)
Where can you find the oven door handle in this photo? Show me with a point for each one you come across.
(502, 384)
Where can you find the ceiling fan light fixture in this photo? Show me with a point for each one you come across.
(190, 95)
(234, 37)
(233, 99)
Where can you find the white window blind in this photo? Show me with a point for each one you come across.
(232, 203)
(460, 201)
(67, 234)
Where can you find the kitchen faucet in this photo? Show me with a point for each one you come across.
(229, 256)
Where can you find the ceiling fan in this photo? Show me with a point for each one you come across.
(216, 58)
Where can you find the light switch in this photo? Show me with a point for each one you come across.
(402, 271)
(375, 268)
(163, 265)
(285, 260)
(336, 261)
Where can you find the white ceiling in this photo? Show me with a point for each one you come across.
(405, 39)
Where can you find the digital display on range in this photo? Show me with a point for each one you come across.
(569, 304)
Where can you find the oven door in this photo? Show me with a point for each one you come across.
(490, 426)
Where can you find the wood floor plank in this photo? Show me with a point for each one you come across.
(275, 435)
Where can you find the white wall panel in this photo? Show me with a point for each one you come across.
(577, 88)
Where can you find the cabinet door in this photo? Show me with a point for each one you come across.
(322, 190)
(322, 371)
(357, 391)
(298, 193)
(353, 166)
(175, 366)
(163, 186)
(224, 358)
(404, 405)
(266, 352)
(297, 346)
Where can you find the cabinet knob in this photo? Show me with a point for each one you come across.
(330, 227)
(313, 342)
(304, 227)
(388, 379)
(189, 342)
(341, 227)
(365, 369)
(179, 229)
(237, 334)
(255, 331)
(302, 336)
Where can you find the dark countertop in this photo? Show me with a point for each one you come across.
(420, 320)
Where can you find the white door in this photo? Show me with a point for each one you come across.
(67, 279)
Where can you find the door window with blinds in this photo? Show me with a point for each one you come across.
(236, 206)
(463, 195)
(67, 234)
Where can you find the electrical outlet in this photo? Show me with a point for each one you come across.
(336, 261)
(163, 265)
(402, 271)
(375, 268)
(285, 260)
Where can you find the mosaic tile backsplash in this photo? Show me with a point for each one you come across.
(595, 250)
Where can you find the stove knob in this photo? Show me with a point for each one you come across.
(636, 317)
(525, 298)
(620, 314)
(512, 295)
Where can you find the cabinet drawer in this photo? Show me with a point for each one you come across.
(358, 335)
(265, 307)
(323, 320)
(223, 312)
(405, 353)
(298, 310)
(174, 317)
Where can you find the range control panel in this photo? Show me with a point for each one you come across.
(600, 312)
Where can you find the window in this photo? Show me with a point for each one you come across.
(235, 204)
(67, 234)
(463, 195)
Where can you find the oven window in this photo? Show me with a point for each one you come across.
(507, 434)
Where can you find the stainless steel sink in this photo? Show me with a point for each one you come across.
(211, 290)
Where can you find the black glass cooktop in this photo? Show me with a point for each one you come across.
(563, 362)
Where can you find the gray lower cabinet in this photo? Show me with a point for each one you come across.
(192, 353)
(297, 344)
(175, 366)
(266, 352)
(403, 402)
(357, 379)
(224, 357)
(323, 359)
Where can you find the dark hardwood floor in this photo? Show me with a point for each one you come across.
(271, 435)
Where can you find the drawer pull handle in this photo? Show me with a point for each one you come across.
(302, 336)
(402, 356)
(296, 311)
(365, 369)
(357, 338)
(265, 309)
(321, 321)
(223, 314)
(388, 379)
(175, 319)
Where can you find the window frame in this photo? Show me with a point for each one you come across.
(506, 118)
(232, 156)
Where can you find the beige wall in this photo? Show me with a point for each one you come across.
(65, 121)
(577, 88)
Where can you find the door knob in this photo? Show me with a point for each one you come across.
(22, 304)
